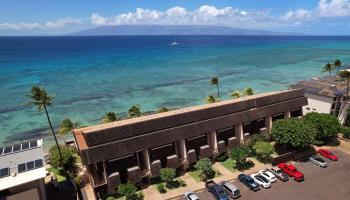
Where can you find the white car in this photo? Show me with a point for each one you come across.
(189, 195)
(318, 161)
(268, 175)
(260, 180)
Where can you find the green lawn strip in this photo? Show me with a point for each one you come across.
(229, 164)
(55, 171)
(195, 174)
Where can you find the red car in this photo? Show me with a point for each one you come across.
(327, 154)
(292, 171)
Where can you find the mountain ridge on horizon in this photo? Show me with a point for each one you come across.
(139, 30)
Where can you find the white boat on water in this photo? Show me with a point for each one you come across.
(174, 43)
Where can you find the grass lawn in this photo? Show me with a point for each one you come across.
(60, 178)
(229, 164)
(195, 174)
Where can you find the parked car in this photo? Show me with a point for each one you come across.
(260, 180)
(249, 182)
(318, 161)
(189, 195)
(292, 171)
(231, 189)
(326, 153)
(218, 191)
(279, 173)
(268, 175)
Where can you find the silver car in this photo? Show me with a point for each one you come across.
(189, 195)
(231, 189)
(318, 161)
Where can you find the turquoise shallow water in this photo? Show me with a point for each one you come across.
(93, 75)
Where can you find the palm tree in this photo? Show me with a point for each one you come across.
(135, 111)
(67, 126)
(328, 68)
(39, 98)
(215, 81)
(163, 109)
(345, 74)
(337, 64)
(236, 94)
(109, 117)
(248, 91)
(211, 99)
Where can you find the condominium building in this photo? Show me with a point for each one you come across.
(134, 150)
(325, 95)
(22, 171)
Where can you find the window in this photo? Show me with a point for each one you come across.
(16, 147)
(22, 168)
(307, 108)
(30, 165)
(25, 145)
(4, 172)
(38, 163)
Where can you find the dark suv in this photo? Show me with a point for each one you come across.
(249, 182)
(216, 190)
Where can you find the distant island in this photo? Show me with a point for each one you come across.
(172, 30)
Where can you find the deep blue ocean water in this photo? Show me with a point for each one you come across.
(90, 76)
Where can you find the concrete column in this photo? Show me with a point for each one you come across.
(239, 132)
(182, 149)
(146, 160)
(287, 114)
(268, 122)
(42, 189)
(213, 140)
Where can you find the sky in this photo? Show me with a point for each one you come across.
(33, 17)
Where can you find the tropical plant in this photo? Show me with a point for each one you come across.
(337, 64)
(128, 190)
(263, 150)
(135, 111)
(293, 132)
(236, 94)
(163, 109)
(328, 68)
(39, 98)
(68, 157)
(215, 81)
(326, 125)
(249, 91)
(167, 174)
(211, 99)
(239, 154)
(345, 74)
(161, 188)
(67, 126)
(109, 117)
(205, 167)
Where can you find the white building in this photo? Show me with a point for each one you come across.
(22, 171)
(325, 95)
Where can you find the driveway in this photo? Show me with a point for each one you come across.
(319, 184)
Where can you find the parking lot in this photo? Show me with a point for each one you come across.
(320, 183)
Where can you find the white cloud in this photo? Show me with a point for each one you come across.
(58, 24)
(333, 8)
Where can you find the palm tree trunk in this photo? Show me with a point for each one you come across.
(347, 95)
(217, 88)
(54, 135)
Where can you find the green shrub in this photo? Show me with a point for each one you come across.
(127, 189)
(239, 154)
(206, 169)
(182, 183)
(346, 132)
(293, 132)
(161, 188)
(326, 125)
(167, 174)
(255, 138)
(263, 150)
(222, 157)
(67, 156)
(78, 181)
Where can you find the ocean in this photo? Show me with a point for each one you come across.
(90, 76)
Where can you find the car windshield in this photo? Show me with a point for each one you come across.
(261, 178)
(319, 159)
(265, 174)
